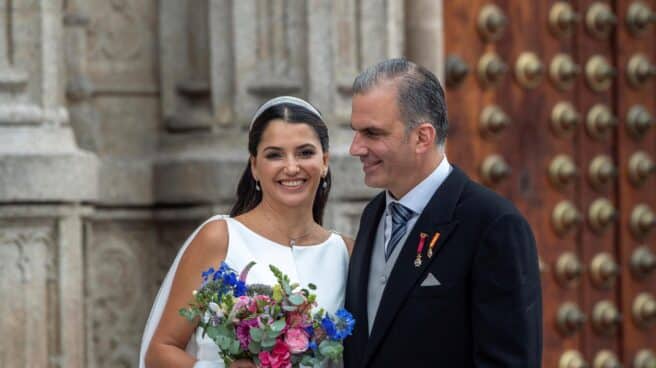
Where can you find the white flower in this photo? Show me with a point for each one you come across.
(216, 309)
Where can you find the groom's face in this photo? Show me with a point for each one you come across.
(380, 140)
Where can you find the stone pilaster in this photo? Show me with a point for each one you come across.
(39, 158)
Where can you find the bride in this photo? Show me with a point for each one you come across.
(276, 220)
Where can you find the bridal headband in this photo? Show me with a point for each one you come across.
(283, 100)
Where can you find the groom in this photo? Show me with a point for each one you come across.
(444, 272)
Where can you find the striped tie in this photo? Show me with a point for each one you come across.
(400, 216)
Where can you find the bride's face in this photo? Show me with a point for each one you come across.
(289, 163)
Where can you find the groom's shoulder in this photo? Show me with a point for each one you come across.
(481, 201)
(374, 201)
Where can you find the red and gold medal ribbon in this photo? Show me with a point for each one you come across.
(432, 244)
(420, 248)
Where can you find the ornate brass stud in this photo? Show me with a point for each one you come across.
(494, 169)
(456, 70)
(600, 121)
(529, 70)
(565, 217)
(493, 120)
(600, 20)
(570, 319)
(491, 69)
(644, 310)
(568, 269)
(644, 359)
(601, 214)
(640, 167)
(639, 70)
(638, 121)
(599, 73)
(564, 118)
(605, 318)
(639, 16)
(562, 171)
(562, 19)
(643, 262)
(604, 271)
(606, 359)
(601, 171)
(572, 359)
(563, 71)
(642, 220)
(491, 22)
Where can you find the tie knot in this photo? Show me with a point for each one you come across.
(400, 213)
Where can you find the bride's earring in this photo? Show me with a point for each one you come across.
(257, 185)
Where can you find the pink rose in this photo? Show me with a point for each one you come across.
(279, 357)
(242, 303)
(297, 340)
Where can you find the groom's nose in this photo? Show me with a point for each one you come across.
(357, 148)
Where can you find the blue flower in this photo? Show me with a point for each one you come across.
(312, 345)
(340, 329)
(329, 326)
(345, 324)
(207, 273)
(240, 288)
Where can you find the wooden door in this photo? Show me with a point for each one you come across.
(551, 103)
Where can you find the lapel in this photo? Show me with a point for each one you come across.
(359, 269)
(436, 217)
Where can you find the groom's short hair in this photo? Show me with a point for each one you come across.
(420, 96)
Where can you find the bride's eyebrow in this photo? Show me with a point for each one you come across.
(306, 145)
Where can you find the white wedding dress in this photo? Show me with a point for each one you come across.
(324, 264)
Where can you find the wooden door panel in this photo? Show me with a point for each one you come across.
(533, 147)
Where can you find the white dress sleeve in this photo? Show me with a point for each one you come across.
(161, 299)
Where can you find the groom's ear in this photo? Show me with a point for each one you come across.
(426, 136)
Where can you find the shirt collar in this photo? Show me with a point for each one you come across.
(417, 198)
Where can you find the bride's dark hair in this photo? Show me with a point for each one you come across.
(247, 197)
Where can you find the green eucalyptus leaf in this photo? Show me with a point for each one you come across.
(296, 299)
(278, 326)
(331, 349)
(256, 334)
(289, 308)
(235, 347)
(268, 342)
(254, 347)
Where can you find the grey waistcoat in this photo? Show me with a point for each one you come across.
(379, 270)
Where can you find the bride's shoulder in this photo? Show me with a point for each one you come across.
(211, 241)
(348, 241)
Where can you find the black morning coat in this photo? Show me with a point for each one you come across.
(487, 312)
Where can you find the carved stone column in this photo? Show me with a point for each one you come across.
(41, 286)
(425, 34)
(41, 273)
(39, 159)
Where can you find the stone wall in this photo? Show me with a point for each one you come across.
(123, 126)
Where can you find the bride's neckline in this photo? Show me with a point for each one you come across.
(248, 229)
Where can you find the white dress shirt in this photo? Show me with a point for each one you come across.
(416, 199)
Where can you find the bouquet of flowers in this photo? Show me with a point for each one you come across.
(277, 327)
